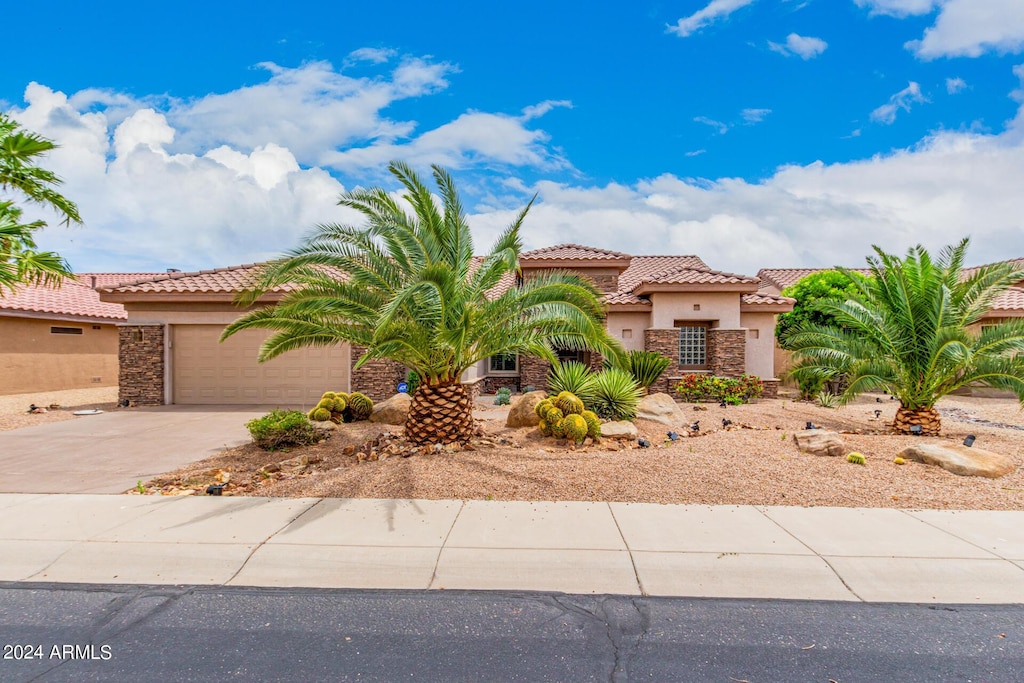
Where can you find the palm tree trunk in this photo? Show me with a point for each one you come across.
(928, 418)
(440, 413)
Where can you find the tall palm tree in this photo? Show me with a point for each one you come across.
(407, 287)
(20, 263)
(906, 330)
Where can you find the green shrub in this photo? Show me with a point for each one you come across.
(573, 377)
(616, 395)
(826, 399)
(646, 366)
(413, 380)
(732, 390)
(360, 407)
(503, 397)
(282, 428)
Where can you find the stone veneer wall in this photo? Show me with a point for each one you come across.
(727, 352)
(492, 383)
(378, 379)
(665, 342)
(141, 359)
(771, 388)
(533, 372)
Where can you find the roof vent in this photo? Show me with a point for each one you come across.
(173, 270)
(92, 279)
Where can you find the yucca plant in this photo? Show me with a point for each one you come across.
(616, 395)
(406, 287)
(576, 378)
(646, 367)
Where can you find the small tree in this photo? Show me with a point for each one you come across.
(810, 292)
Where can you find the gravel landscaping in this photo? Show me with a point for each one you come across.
(753, 461)
(14, 407)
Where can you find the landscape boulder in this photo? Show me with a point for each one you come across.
(959, 459)
(618, 430)
(521, 414)
(392, 411)
(661, 408)
(820, 442)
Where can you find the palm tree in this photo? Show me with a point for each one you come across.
(906, 330)
(407, 287)
(20, 263)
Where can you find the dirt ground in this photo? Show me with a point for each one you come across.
(752, 461)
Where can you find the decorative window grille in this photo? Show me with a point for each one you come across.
(693, 346)
(504, 362)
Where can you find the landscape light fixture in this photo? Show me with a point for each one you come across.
(643, 443)
(878, 399)
(810, 425)
(915, 430)
(726, 423)
(722, 404)
(878, 414)
(969, 441)
(672, 436)
(695, 427)
(215, 489)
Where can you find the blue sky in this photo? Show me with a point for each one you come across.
(756, 133)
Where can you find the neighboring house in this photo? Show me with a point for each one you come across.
(704, 320)
(57, 338)
(1010, 304)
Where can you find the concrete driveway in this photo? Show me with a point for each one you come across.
(109, 453)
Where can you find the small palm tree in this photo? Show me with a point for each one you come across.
(407, 287)
(906, 330)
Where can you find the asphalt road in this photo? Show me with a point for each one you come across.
(128, 633)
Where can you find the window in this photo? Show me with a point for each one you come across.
(566, 355)
(693, 346)
(65, 330)
(504, 362)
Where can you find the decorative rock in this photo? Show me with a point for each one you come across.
(618, 430)
(959, 459)
(661, 408)
(521, 414)
(327, 426)
(393, 411)
(820, 442)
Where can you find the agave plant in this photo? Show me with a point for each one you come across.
(616, 395)
(576, 378)
(646, 367)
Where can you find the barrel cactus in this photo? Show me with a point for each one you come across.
(558, 428)
(320, 415)
(593, 424)
(575, 428)
(568, 403)
(544, 427)
(360, 406)
(542, 407)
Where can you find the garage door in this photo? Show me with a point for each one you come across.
(207, 371)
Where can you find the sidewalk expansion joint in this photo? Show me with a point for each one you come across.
(444, 544)
(964, 540)
(264, 541)
(632, 560)
(816, 553)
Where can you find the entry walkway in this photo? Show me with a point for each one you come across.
(853, 554)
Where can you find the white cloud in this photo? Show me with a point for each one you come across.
(373, 55)
(696, 152)
(806, 47)
(955, 85)
(722, 128)
(752, 116)
(898, 8)
(715, 10)
(902, 100)
(537, 110)
(970, 28)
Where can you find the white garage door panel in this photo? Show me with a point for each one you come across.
(207, 371)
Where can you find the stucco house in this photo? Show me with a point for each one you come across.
(57, 338)
(704, 320)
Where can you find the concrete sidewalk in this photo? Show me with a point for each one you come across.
(872, 555)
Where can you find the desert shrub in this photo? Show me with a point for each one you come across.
(360, 407)
(282, 428)
(826, 399)
(616, 395)
(732, 390)
(503, 397)
(573, 377)
(646, 366)
(412, 378)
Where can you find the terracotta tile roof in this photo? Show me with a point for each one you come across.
(781, 278)
(218, 281)
(73, 299)
(762, 299)
(1010, 300)
(644, 267)
(629, 298)
(572, 252)
(693, 276)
